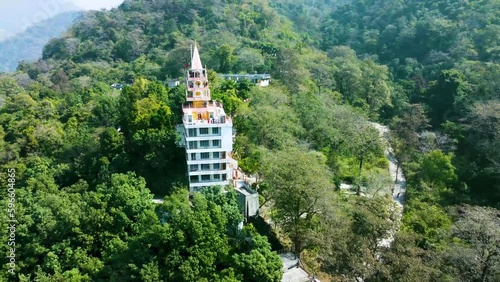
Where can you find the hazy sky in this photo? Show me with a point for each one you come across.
(96, 4)
(17, 15)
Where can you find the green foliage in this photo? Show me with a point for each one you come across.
(476, 253)
(249, 155)
(428, 220)
(417, 29)
(229, 99)
(296, 191)
(480, 149)
(147, 124)
(257, 263)
(269, 108)
(115, 231)
(224, 55)
(227, 201)
(348, 234)
(447, 96)
(88, 156)
(436, 168)
(405, 261)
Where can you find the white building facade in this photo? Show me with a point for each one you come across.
(261, 80)
(206, 133)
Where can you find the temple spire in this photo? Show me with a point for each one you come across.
(196, 62)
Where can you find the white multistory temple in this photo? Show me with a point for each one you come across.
(206, 132)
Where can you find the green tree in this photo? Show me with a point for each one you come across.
(257, 262)
(406, 261)
(375, 87)
(364, 143)
(348, 237)
(8, 87)
(249, 60)
(477, 253)
(436, 168)
(269, 107)
(299, 187)
(290, 70)
(429, 221)
(447, 96)
(111, 142)
(481, 147)
(349, 73)
(227, 201)
(406, 129)
(322, 75)
(226, 58)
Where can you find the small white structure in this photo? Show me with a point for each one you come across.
(117, 86)
(158, 201)
(173, 83)
(257, 79)
(248, 199)
(206, 132)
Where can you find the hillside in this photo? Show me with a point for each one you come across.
(89, 159)
(406, 34)
(28, 45)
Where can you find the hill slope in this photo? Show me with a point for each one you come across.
(16, 16)
(28, 45)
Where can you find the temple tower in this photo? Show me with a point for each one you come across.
(207, 132)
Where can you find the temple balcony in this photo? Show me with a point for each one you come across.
(197, 88)
(196, 74)
(206, 113)
(200, 98)
(205, 105)
(225, 121)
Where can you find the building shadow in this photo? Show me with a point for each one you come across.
(265, 229)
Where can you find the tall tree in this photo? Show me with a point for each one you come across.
(364, 142)
(300, 185)
(476, 257)
(406, 261)
(483, 140)
(447, 97)
(348, 237)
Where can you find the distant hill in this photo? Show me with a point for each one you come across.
(29, 44)
(17, 16)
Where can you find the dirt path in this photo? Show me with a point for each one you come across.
(399, 192)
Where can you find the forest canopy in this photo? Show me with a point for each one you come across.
(89, 158)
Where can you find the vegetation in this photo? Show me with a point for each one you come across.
(89, 158)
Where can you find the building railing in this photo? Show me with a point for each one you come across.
(207, 181)
(226, 157)
(208, 170)
(245, 76)
(203, 135)
(205, 105)
(209, 121)
(197, 147)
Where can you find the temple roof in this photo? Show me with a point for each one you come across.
(196, 61)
